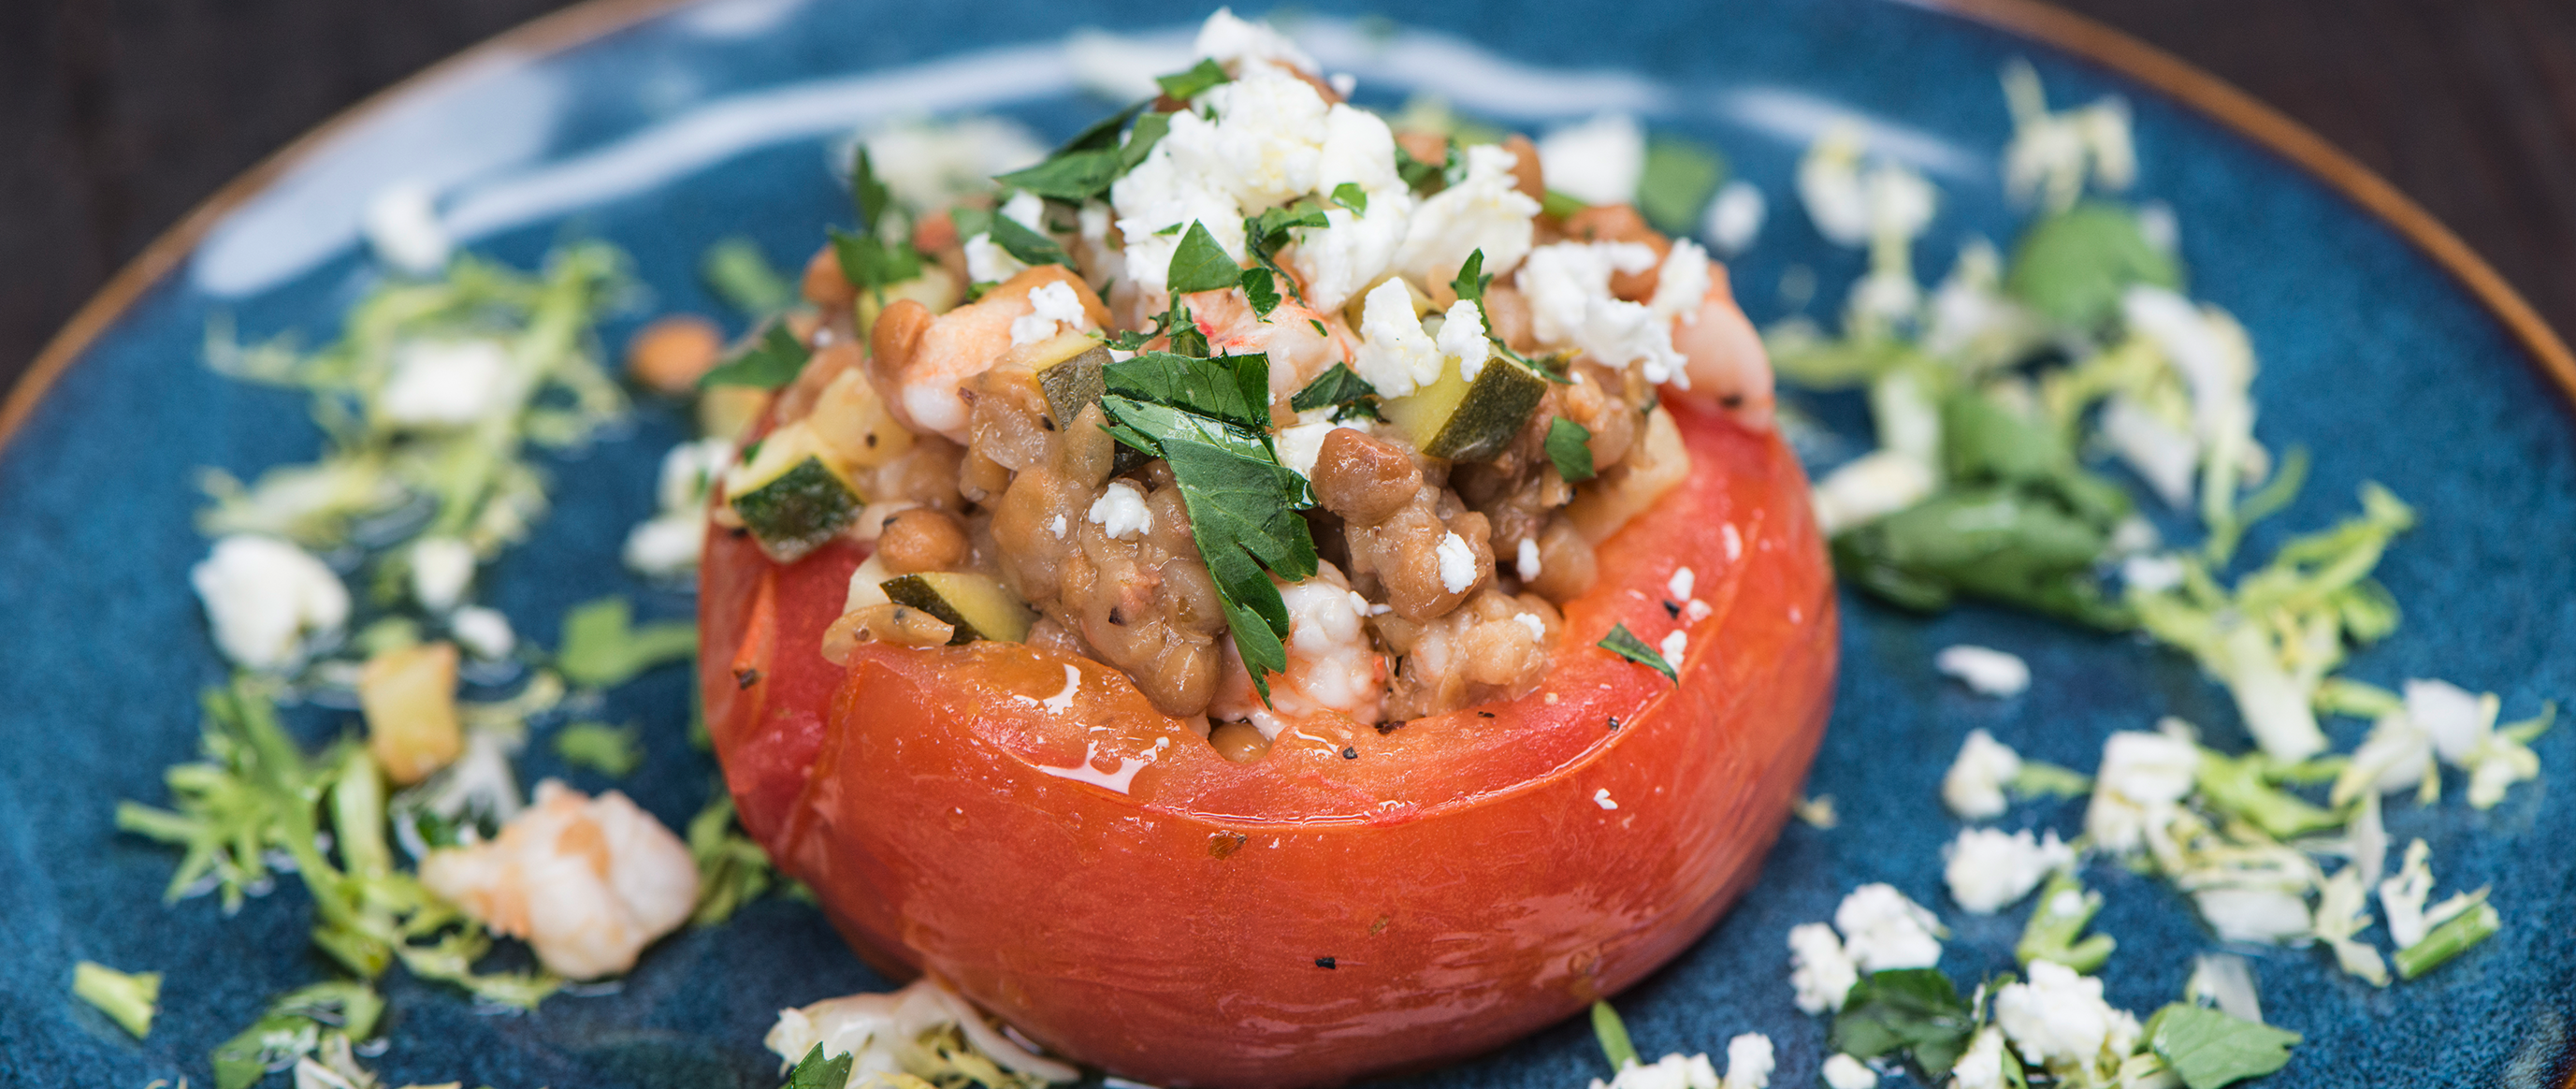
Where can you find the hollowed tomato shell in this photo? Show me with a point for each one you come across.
(1027, 826)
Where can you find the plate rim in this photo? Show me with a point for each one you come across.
(2075, 35)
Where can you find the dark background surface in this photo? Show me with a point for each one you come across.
(120, 115)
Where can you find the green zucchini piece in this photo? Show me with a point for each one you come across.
(978, 606)
(791, 498)
(1457, 420)
(1073, 383)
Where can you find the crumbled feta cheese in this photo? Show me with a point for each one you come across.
(1749, 1061)
(1982, 1066)
(1735, 217)
(1681, 583)
(988, 263)
(1974, 785)
(1988, 870)
(1527, 561)
(483, 632)
(1601, 798)
(1264, 148)
(1985, 671)
(1353, 249)
(925, 165)
(2140, 787)
(267, 600)
(1358, 149)
(689, 469)
(1537, 627)
(1819, 971)
(1844, 1072)
(402, 227)
(1597, 161)
(1484, 211)
(1300, 443)
(1868, 488)
(1051, 304)
(1227, 38)
(440, 568)
(2059, 1019)
(1882, 930)
(1462, 338)
(1681, 284)
(1057, 527)
(1674, 644)
(1395, 356)
(1568, 288)
(666, 545)
(1121, 512)
(1457, 563)
(445, 383)
(588, 882)
(1670, 1072)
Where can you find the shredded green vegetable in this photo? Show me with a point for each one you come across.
(126, 998)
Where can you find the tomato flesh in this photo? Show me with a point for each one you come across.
(1029, 828)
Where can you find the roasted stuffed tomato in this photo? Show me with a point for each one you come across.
(1270, 680)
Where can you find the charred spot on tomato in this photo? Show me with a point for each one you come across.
(745, 677)
(1350, 752)
(1222, 844)
(1484, 714)
(1389, 727)
(1325, 963)
(1614, 723)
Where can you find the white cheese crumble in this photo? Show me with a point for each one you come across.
(1121, 512)
(1985, 671)
(483, 632)
(1735, 217)
(1882, 929)
(1749, 1061)
(1601, 798)
(402, 227)
(1395, 356)
(665, 546)
(444, 383)
(1974, 786)
(1051, 304)
(440, 569)
(2140, 787)
(1819, 971)
(1462, 339)
(1844, 1072)
(1227, 38)
(1681, 584)
(1696, 610)
(1057, 527)
(1526, 561)
(1568, 288)
(2060, 1019)
(1264, 148)
(1982, 1067)
(267, 600)
(1484, 211)
(1670, 1072)
(1302, 442)
(1988, 870)
(1597, 161)
(1868, 488)
(1674, 645)
(988, 263)
(1353, 249)
(1457, 563)
(1537, 627)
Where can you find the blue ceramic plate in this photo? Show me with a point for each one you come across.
(2386, 349)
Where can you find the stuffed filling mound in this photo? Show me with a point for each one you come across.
(1276, 409)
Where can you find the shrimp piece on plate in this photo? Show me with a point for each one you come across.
(1332, 666)
(1302, 343)
(1724, 356)
(587, 882)
(920, 362)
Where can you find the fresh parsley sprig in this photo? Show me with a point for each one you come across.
(1470, 285)
(1087, 165)
(1350, 395)
(1625, 644)
(768, 362)
(867, 260)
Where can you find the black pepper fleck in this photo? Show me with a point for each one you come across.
(1484, 714)
(745, 678)
(1349, 753)
(1325, 963)
(1389, 727)
(740, 532)
(1221, 844)
(1614, 722)
(1672, 610)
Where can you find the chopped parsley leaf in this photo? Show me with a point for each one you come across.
(2072, 267)
(732, 870)
(1194, 81)
(1420, 176)
(1350, 195)
(1559, 206)
(1261, 290)
(1102, 133)
(1912, 1011)
(1033, 248)
(602, 646)
(871, 263)
(1678, 179)
(1200, 264)
(1472, 279)
(2208, 1049)
(2056, 923)
(1340, 387)
(816, 1072)
(610, 750)
(738, 273)
(769, 362)
(1569, 446)
(1625, 644)
(1231, 389)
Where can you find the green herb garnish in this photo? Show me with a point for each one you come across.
(1913, 1012)
(742, 276)
(1472, 279)
(1229, 389)
(602, 646)
(2056, 927)
(2073, 266)
(126, 998)
(1569, 446)
(771, 361)
(867, 260)
(1194, 81)
(1419, 176)
(1679, 177)
(1559, 206)
(1349, 394)
(2242, 787)
(732, 870)
(610, 750)
(2208, 1049)
(1200, 264)
(1261, 290)
(1033, 248)
(2453, 937)
(816, 1072)
(1350, 195)
(1613, 1034)
(1625, 644)
(296, 1025)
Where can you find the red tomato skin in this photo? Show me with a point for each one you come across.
(1354, 903)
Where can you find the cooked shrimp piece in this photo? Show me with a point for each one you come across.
(1332, 666)
(919, 362)
(1724, 356)
(587, 882)
(1302, 342)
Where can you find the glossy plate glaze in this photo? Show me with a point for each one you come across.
(2386, 349)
